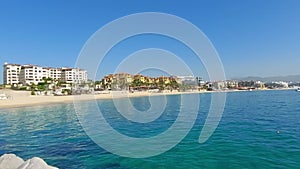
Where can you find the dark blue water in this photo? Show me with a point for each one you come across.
(259, 129)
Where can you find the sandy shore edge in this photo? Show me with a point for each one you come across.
(24, 99)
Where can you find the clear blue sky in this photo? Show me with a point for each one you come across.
(252, 37)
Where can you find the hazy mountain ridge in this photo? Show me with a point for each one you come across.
(290, 78)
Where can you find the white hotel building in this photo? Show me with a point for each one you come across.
(73, 75)
(33, 74)
(11, 73)
(54, 73)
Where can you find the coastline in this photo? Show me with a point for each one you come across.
(24, 99)
(19, 99)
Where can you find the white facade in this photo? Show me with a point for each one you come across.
(32, 74)
(73, 75)
(53, 73)
(283, 84)
(187, 80)
(11, 73)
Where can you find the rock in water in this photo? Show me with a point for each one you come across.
(10, 161)
(35, 163)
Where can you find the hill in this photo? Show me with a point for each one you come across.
(290, 78)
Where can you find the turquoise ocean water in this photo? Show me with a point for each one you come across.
(259, 129)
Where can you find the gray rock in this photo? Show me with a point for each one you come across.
(35, 163)
(10, 161)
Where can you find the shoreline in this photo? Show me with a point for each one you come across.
(19, 99)
(31, 101)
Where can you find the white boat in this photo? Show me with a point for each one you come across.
(298, 90)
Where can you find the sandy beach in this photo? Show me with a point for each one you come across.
(24, 99)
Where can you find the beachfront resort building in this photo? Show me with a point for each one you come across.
(11, 73)
(33, 74)
(73, 75)
(125, 81)
(54, 73)
(188, 80)
(117, 81)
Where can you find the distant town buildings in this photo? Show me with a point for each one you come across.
(188, 79)
(75, 80)
(33, 74)
(125, 81)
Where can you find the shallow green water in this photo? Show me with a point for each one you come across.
(258, 130)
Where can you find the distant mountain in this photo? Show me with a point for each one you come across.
(291, 78)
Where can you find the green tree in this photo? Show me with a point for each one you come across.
(41, 86)
(137, 83)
